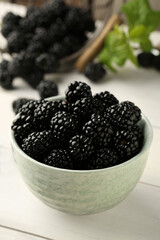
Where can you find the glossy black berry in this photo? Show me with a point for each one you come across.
(37, 144)
(77, 90)
(95, 71)
(59, 158)
(104, 158)
(18, 103)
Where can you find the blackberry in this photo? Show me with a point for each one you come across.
(145, 59)
(27, 24)
(40, 35)
(98, 107)
(6, 78)
(47, 89)
(63, 126)
(7, 29)
(95, 71)
(21, 65)
(37, 144)
(82, 108)
(11, 18)
(77, 90)
(16, 42)
(43, 114)
(59, 158)
(124, 115)
(106, 99)
(56, 8)
(72, 43)
(18, 103)
(99, 130)
(57, 31)
(22, 126)
(81, 149)
(126, 144)
(47, 63)
(28, 108)
(59, 50)
(34, 78)
(156, 62)
(105, 158)
(35, 48)
(30, 10)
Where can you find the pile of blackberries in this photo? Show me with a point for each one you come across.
(40, 39)
(83, 131)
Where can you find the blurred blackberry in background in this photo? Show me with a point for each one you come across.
(16, 42)
(59, 158)
(7, 29)
(77, 90)
(156, 62)
(47, 89)
(6, 77)
(95, 71)
(59, 50)
(11, 18)
(30, 10)
(47, 63)
(56, 8)
(40, 36)
(145, 59)
(34, 78)
(35, 48)
(18, 103)
(105, 157)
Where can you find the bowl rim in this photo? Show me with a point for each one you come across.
(145, 147)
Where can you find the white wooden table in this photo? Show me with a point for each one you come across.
(24, 217)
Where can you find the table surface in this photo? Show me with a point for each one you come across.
(24, 217)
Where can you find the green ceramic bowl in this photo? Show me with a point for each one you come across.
(83, 192)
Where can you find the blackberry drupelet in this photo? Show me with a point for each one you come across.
(18, 103)
(22, 126)
(47, 88)
(145, 59)
(47, 63)
(59, 158)
(95, 71)
(83, 108)
(37, 144)
(99, 130)
(126, 144)
(105, 158)
(77, 90)
(124, 115)
(106, 99)
(6, 78)
(81, 149)
(63, 126)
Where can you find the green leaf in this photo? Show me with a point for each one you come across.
(116, 49)
(139, 12)
(146, 45)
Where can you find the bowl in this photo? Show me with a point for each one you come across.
(83, 191)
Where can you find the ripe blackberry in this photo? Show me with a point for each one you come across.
(6, 78)
(81, 149)
(40, 35)
(83, 108)
(34, 78)
(106, 99)
(72, 43)
(156, 62)
(16, 42)
(57, 31)
(59, 158)
(22, 126)
(126, 144)
(98, 107)
(28, 108)
(99, 130)
(145, 59)
(56, 8)
(7, 29)
(18, 103)
(47, 63)
(95, 71)
(30, 10)
(105, 158)
(124, 115)
(47, 89)
(59, 50)
(37, 144)
(77, 90)
(27, 24)
(35, 48)
(63, 126)
(11, 18)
